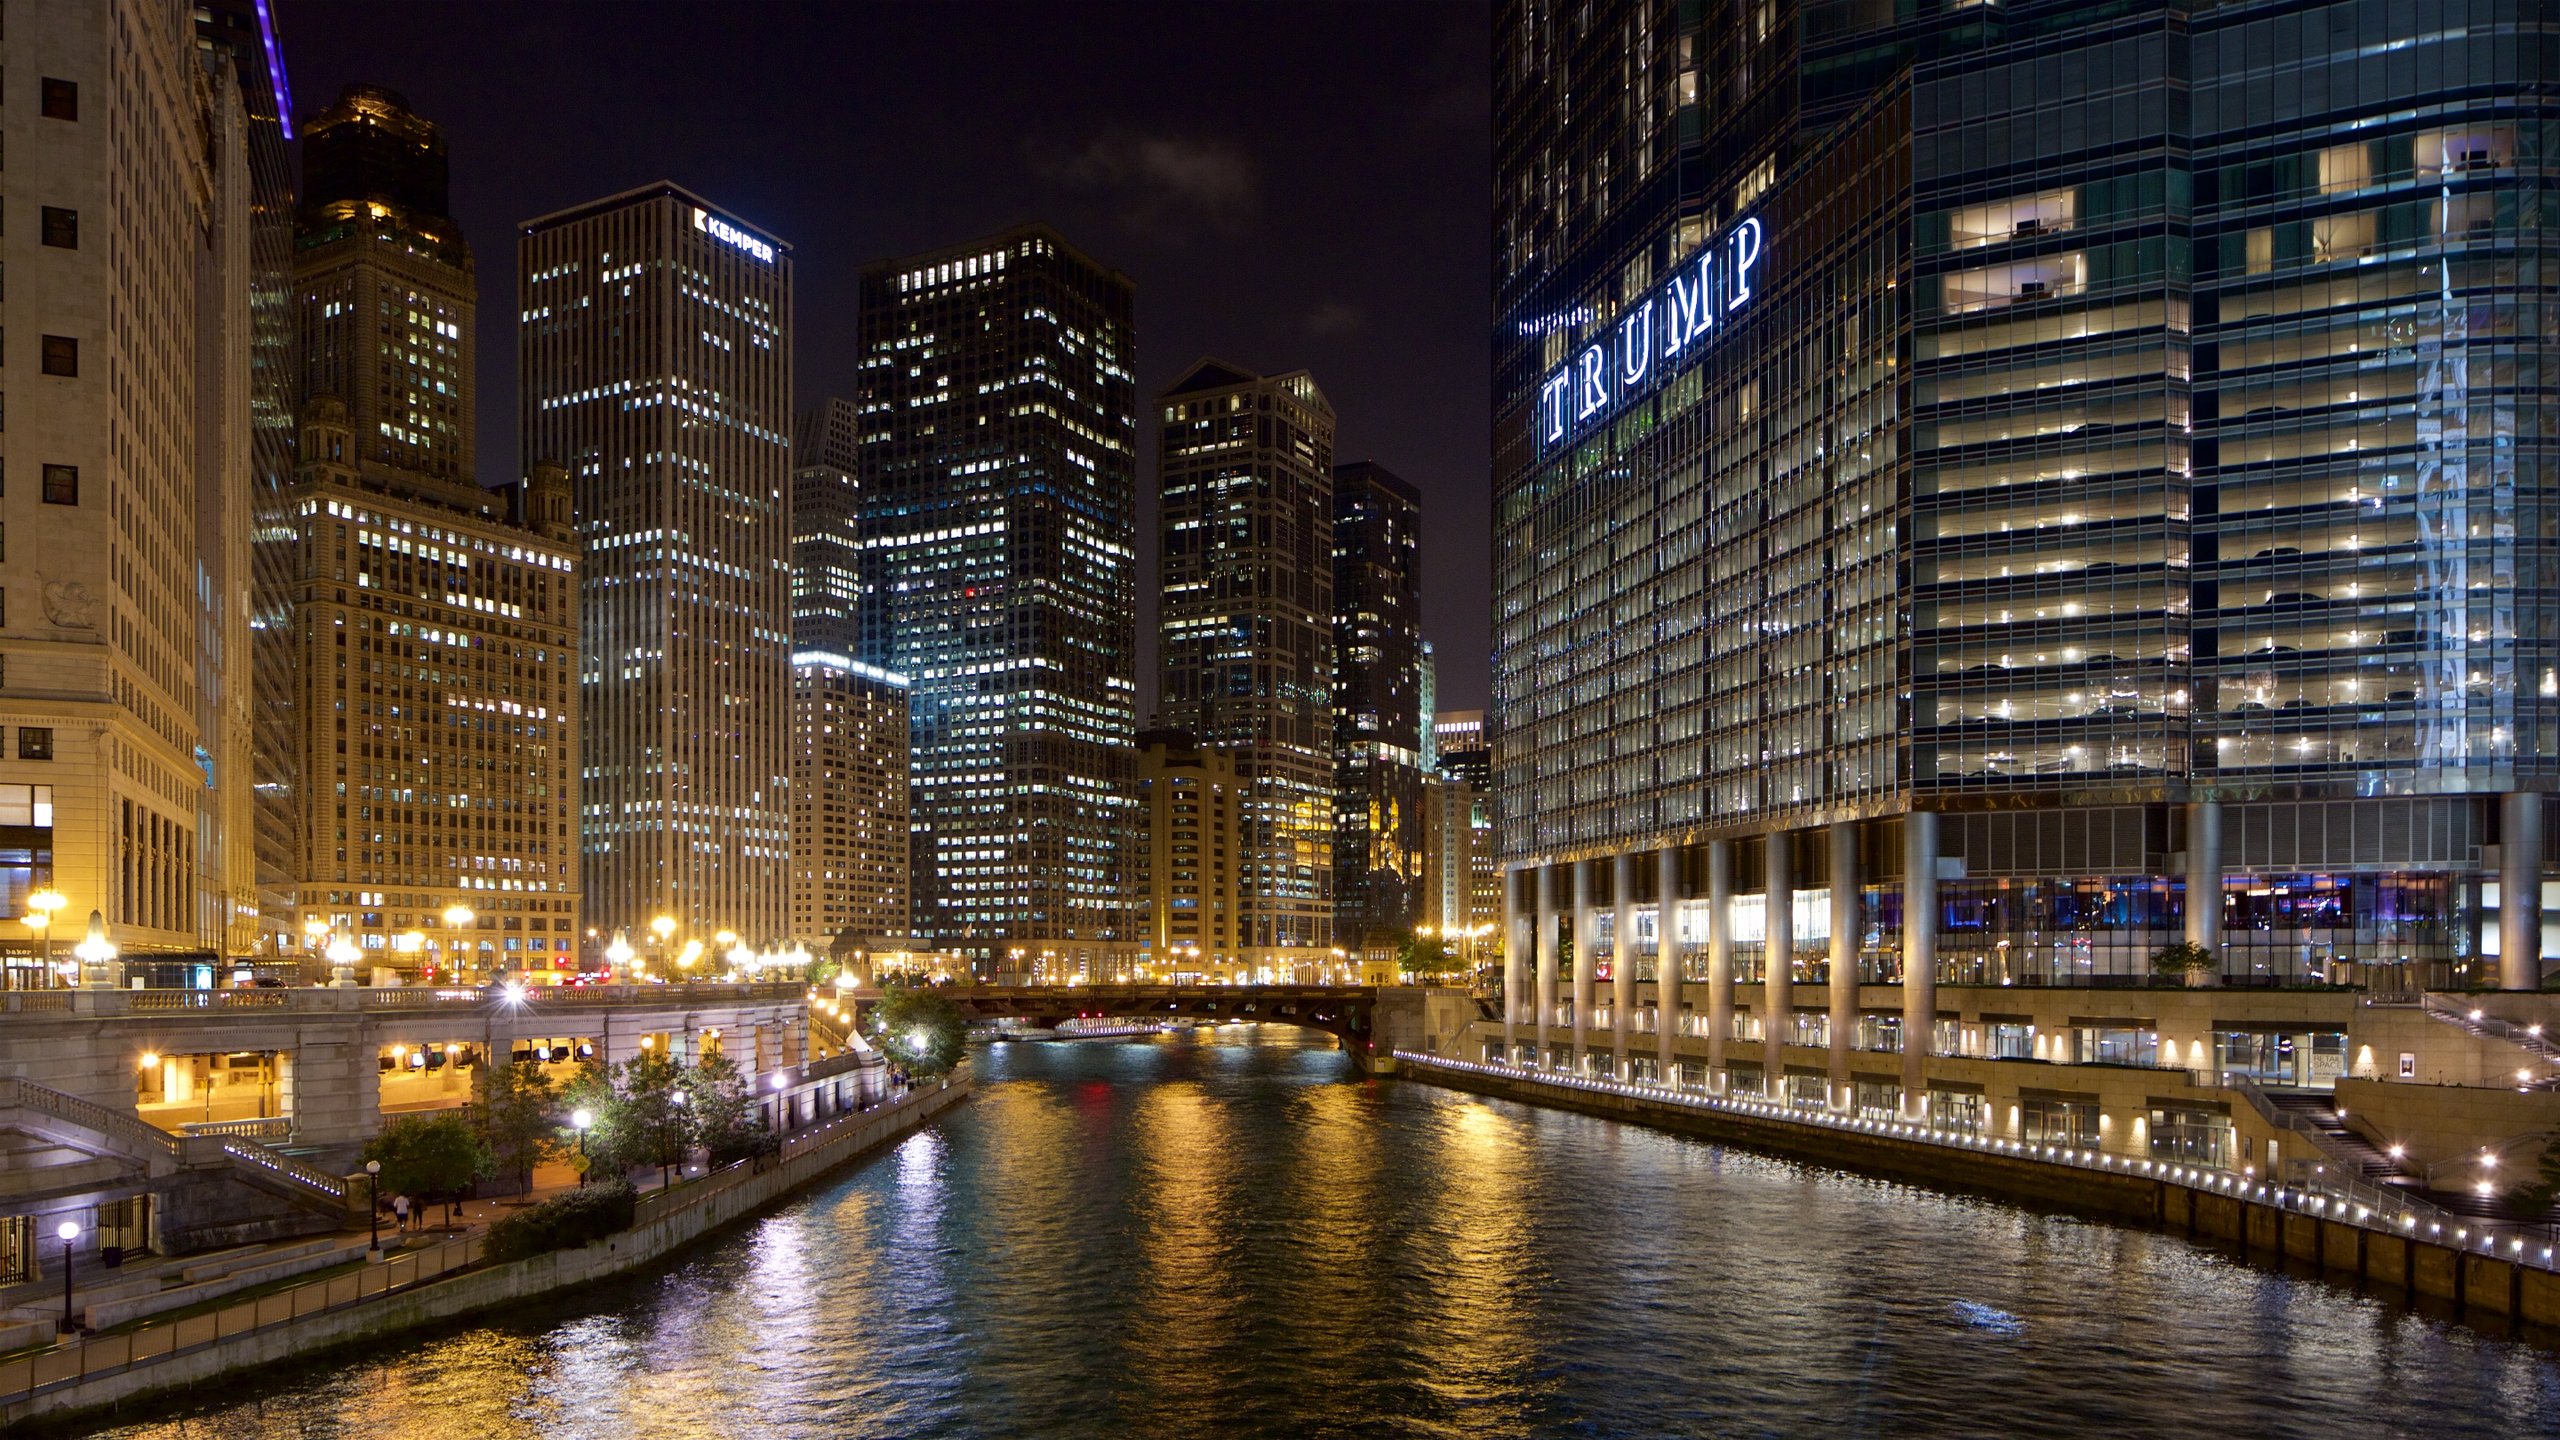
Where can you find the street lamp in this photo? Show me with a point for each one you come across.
(686, 958)
(579, 1120)
(455, 917)
(373, 1202)
(618, 954)
(740, 958)
(343, 956)
(41, 908)
(96, 953)
(66, 1232)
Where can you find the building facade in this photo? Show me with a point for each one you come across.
(1380, 738)
(1984, 495)
(1245, 633)
(124, 667)
(656, 366)
(998, 490)
(436, 701)
(848, 804)
(1464, 885)
(828, 592)
(1189, 874)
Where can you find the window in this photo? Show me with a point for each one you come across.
(35, 742)
(62, 355)
(61, 228)
(62, 484)
(61, 99)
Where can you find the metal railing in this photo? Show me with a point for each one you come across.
(2474, 1021)
(325, 999)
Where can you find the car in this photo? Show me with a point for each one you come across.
(2246, 706)
(2293, 597)
(2298, 702)
(2400, 697)
(2399, 637)
(2103, 660)
(2272, 648)
(2132, 767)
(1992, 667)
(2277, 552)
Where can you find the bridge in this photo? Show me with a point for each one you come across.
(1372, 1022)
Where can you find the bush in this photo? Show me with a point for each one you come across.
(752, 1144)
(581, 1217)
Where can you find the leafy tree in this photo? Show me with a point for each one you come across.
(2184, 960)
(922, 1030)
(2539, 1196)
(511, 1108)
(429, 1155)
(655, 1115)
(724, 1112)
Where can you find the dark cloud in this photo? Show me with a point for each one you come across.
(1335, 317)
(1165, 180)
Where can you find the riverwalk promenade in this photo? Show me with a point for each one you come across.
(436, 1275)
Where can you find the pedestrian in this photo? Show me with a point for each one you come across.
(400, 1212)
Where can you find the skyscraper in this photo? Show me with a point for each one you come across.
(124, 674)
(1188, 872)
(383, 287)
(828, 590)
(243, 32)
(848, 802)
(2022, 474)
(1380, 729)
(657, 367)
(998, 487)
(1245, 633)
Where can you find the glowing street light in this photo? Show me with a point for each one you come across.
(96, 954)
(456, 916)
(66, 1232)
(343, 956)
(618, 954)
(41, 908)
(581, 1120)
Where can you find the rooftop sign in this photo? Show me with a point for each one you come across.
(1654, 339)
(728, 234)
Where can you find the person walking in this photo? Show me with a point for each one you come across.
(400, 1212)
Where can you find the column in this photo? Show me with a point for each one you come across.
(1622, 958)
(1844, 956)
(1719, 960)
(1586, 874)
(1919, 956)
(1669, 965)
(1546, 957)
(2520, 892)
(1514, 968)
(2204, 883)
(1778, 970)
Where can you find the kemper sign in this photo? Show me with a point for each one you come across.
(1654, 339)
(726, 233)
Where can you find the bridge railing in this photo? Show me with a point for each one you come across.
(325, 1000)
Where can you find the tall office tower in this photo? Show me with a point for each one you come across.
(657, 367)
(999, 510)
(828, 590)
(1461, 746)
(1245, 634)
(1188, 875)
(436, 706)
(383, 286)
(848, 802)
(2014, 488)
(1378, 723)
(124, 667)
(1466, 882)
(243, 32)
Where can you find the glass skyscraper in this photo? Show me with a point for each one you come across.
(998, 496)
(1381, 728)
(1974, 479)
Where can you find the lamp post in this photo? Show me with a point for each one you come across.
(42, 906)
(315, 935)
(618, 954)
(96, 954)
(741, 959)
(66, 1232)
(579, 1120)
(373, 1203)
(455, 917)
(343, 956)
(688, 957)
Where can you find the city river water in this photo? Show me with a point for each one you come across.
(1238, 1237)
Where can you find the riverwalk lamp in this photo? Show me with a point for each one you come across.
(343, 956)
(66, 1232)
(97, 955)
(689, 956)
(581, 1120)
(618, 954)
(740, 958)
(373, 1202)
(42, 906)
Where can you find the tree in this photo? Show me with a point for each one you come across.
(429, 1155)
(922, 1030)
(655, 1119)
(511, 1108)
(724, 1113)
(2184, 960)
(2539, 1196)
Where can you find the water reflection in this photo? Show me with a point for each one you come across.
(1178, 1239)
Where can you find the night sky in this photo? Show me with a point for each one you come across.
(1290, 186)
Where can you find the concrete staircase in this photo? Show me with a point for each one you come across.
(2532, 1052)
(87, 1125)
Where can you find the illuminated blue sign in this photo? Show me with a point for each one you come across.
(721, 230)
(1654, 339)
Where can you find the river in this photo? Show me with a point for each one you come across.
(1186, 1237)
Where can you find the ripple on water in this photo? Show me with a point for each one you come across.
(1178, 1239)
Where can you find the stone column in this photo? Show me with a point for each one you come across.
(2204, 882)
(1622, 958)
(1919, 955)
(1668, 963)
(1778, 966)
(2520, 891)
(1514, 970)
(1844, 956)
(1586, 874)
(1546, 957)
(1719, 960)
